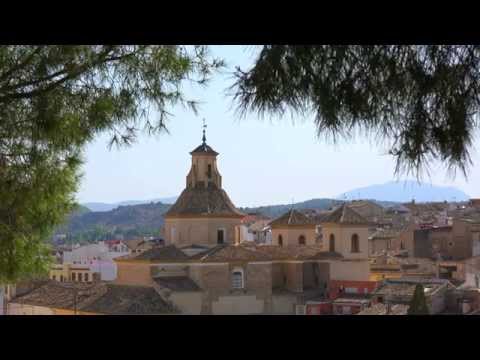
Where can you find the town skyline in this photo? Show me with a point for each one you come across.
(264, 161)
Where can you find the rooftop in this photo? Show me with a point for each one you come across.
(292, 217)
(100, 298)
(177, 283)
(170, 252)
(382, 309)
(345, 215)
(385, 234)
(204, 201)
(405, 287)
(226, 253)
(204, 149)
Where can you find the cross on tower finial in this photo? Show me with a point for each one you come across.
(204, 139)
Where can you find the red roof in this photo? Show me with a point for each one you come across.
(112, 242)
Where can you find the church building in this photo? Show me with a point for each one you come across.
(206, 269)
(203, 214)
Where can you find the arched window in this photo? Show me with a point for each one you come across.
(355, 244)
(301, 240)
(331, 243)
(280, 240)
(237, 278)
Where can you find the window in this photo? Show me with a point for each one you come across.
(280, 240)
(402, 246)
(220, 236)
(209, 171)
(237, 278)
(80, 277)
(301, 240)
(332, 243)
(74, 277)
(450, 244)
(172, 234)
(355, 244)
(86, 277)
(54, 277)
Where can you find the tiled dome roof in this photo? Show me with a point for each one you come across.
(208, 201)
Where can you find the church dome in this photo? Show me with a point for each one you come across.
(204, 201)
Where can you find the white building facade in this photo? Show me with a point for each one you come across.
(98, 257)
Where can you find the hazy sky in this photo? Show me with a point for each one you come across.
(262, 161)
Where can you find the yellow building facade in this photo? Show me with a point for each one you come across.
(69, 272)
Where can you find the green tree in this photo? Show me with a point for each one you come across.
(422, 100)
(418, 304)
(54, 100)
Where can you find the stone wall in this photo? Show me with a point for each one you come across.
(134, 273)
(290, 235)
(200, 231)
(343, 239)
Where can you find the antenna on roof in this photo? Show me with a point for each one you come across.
(204, 138)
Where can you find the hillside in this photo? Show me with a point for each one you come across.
(405, 191)
(146, 219)
(125, 221)
(274, 211)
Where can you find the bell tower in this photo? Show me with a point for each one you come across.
(204, 172)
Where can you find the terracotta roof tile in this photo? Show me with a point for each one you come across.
(129, 300)
(207, 201)
(345, 215)
(177, 283)
(293, 217)
(170, 252)
(381, 309)
(100, 298)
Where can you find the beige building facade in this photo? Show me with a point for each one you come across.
(206, 269)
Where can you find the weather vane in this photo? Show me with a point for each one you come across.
(204, 127)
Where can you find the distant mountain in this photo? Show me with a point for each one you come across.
(100, 206)
(274, 211)
(405, 191)
(97, 221)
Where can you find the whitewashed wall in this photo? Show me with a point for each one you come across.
(97, 257)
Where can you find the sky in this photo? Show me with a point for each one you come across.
(262, 161)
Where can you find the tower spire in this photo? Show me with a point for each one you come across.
(204, 138)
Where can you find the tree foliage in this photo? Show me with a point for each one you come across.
(55, 99)
(423, 100)
(418, 304)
